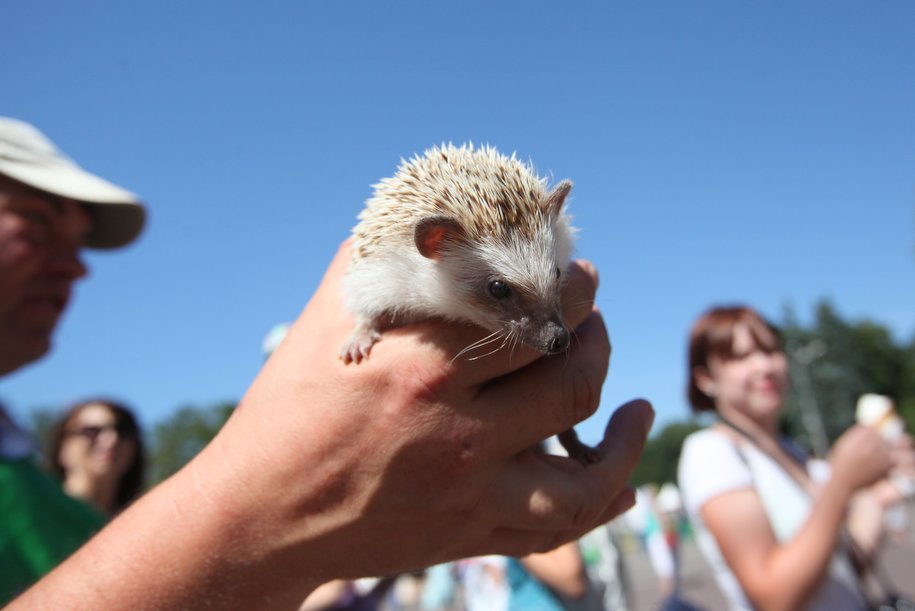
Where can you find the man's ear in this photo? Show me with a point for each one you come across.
(557, 197)
(433, 234)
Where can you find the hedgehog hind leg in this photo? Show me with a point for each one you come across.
(357, 346)
(577, 450)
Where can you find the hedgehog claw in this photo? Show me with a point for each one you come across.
(359, 344)
(584, 454)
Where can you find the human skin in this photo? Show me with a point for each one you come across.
(40, 238)
(94, 466)
(561, 569)
(749, 390)
(330, 471)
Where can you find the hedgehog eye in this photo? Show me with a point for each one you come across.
(498, 289)
(558, 273)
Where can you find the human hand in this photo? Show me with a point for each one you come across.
(860, 457)
(901, 478)
(902, 453)
(414, 457)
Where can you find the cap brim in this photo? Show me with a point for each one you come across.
(118, 215)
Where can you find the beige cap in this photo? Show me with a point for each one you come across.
(28, 156)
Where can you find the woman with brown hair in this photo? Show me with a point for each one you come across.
(97, 452)
(771, 520)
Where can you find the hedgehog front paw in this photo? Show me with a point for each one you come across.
(357, 346)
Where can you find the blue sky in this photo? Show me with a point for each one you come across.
(721, 152)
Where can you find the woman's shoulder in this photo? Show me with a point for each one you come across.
(709, 439)
(710, 464)
(709, 446)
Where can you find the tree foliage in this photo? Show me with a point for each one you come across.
(178, 439)
(662, 453)
(848, 359)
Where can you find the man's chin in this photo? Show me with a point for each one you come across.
(19, 354)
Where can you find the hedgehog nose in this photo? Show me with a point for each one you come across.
(560, 341)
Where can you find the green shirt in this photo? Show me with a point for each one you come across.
(40, 525)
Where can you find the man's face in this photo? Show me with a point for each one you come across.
(40, 238)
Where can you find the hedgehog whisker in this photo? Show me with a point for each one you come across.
(476, 358)
(494, 336)
(516, 341)
(582, 302)
(502, 345)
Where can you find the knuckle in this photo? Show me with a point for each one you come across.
(420, 384)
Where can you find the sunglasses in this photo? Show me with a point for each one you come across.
(92, 432)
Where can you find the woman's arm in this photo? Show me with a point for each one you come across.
(562, 570)
(786, 575)
(866, 516)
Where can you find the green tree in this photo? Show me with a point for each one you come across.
(42, 422)
(833, 362)
(662, 454)
(178, 439)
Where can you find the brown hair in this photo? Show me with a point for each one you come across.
(134, 479)
(713, 336)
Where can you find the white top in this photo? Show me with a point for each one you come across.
(711, 465)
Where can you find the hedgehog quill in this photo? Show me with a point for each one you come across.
(464, 234)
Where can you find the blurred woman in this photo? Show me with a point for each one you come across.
(97, 452)
(770, 520)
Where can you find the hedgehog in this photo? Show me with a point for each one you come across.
(464, 234)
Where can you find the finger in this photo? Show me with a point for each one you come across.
(557, 494)
(493, 356)
(637, 415)
(551, 395)
(548, 490)
(520, 542)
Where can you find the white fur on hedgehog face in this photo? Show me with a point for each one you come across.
(533, 270)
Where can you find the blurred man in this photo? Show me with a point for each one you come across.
(50, 209)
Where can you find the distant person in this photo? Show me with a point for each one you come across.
(769, 518)
(604, 563)
(324, 471)
(96, 450)
(555, 580)
(649, 524)
(49, 210)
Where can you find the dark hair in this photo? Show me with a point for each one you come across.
(713, 336)
(133, 480)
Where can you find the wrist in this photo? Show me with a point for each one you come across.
(837, 494)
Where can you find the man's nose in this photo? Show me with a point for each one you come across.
(68, 263)
(75, 224)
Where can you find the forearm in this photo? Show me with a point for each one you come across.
(561, 570)
(179, 547)
(793, 571)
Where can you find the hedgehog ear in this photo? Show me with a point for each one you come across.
(557, 197)
(434, 233)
